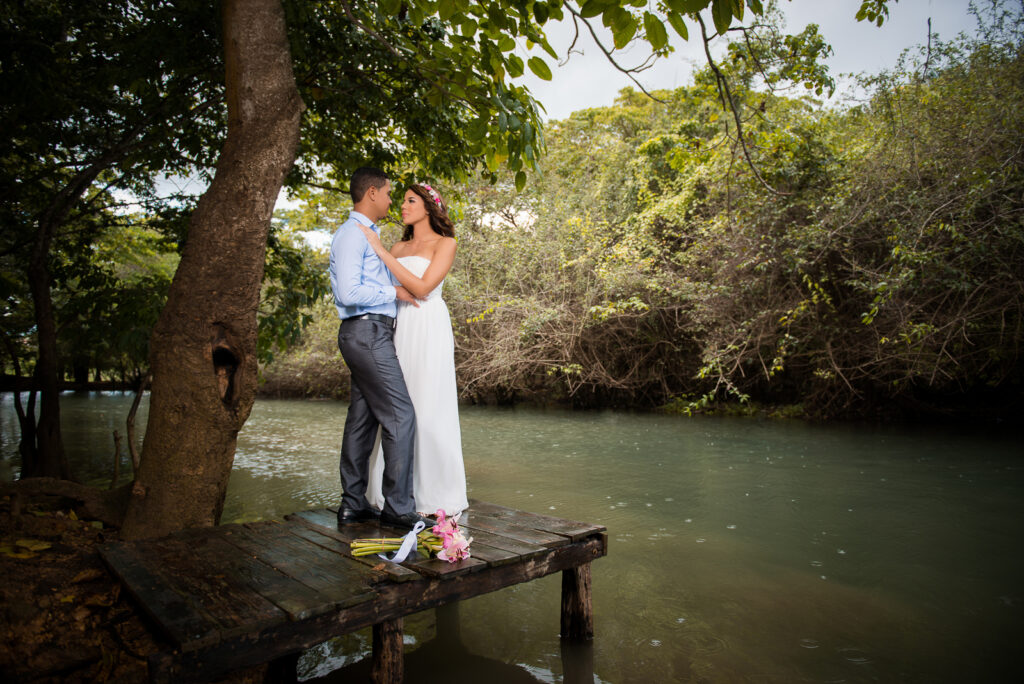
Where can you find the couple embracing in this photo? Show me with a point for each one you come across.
(396, 338)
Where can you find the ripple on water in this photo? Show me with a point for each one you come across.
(855, 656)
(809, 643)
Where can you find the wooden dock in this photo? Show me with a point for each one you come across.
(235, 596)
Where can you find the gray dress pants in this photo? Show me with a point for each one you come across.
(379, 397)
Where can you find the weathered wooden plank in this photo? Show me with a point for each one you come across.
(313, 529)
(503, 528)
(396, 600)
(297, 600)
(518, 549)
(329, 574)
(186, 566)
(434, 568)
(570, 528)
(180, 622)
(492, 556)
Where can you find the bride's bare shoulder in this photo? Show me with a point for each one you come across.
(399, 248)
(445, 243)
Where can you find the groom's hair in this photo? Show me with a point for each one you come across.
(363, 179)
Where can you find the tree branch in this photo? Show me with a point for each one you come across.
(727, 101)
(608, 54)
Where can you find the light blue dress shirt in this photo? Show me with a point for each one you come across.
(359, 279)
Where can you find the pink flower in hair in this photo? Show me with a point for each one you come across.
(433, 193)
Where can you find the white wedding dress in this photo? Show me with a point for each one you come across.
(426, 352)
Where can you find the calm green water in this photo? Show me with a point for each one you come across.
(740, 550)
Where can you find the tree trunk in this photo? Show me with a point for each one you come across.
(44, 456)
(141, 383)
(203, 348)
(26, 419)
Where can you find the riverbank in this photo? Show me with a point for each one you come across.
(998, 409)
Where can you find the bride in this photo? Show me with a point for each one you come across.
(426, 348)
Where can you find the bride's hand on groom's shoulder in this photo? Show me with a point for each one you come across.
(372, 238)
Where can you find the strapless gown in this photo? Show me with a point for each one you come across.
(426, 351)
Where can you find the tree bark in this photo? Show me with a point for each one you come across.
(203, 348)
(44, 457)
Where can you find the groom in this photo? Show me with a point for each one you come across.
(365, 297)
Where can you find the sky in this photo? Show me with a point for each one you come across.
(859, 47)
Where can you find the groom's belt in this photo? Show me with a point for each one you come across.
(390, 320)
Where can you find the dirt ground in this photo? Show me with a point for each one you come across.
(63, 617)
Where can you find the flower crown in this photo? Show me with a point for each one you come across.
(432, 192)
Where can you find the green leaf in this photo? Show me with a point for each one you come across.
(616, 18)
(548, 49)
(541, 12)
(721, 12)
(520, 181)
(737, 9)
(539, 67)
(477, 128)
(446, 9)
(497, 17)
(656, 34)
(390, 7)
(591, 8)
(755, 6)
(515, 66)
(623, 35)
(679, 25)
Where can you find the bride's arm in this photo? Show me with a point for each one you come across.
(439, 266)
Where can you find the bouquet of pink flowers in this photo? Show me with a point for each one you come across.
(445, 540)
(454, 544)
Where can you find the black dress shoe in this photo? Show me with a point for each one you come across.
(351, 515)
(408, 520)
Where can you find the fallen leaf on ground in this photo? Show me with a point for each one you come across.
(87, 575)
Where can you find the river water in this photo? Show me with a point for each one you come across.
(740, 550)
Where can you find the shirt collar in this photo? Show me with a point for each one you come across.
(362, 218)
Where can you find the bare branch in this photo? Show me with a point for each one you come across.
(608, 54)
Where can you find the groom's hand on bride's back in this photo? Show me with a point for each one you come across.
(404, 295)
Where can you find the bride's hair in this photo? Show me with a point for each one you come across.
(436, 210)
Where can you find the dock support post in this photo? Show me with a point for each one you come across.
(387, 652)
(577, 612)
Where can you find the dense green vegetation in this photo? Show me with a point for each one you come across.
(870, 261)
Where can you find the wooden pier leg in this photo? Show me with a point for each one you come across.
(577, 613)
(577, 661)
(387, 652)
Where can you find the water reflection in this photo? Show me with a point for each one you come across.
(740, 550)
